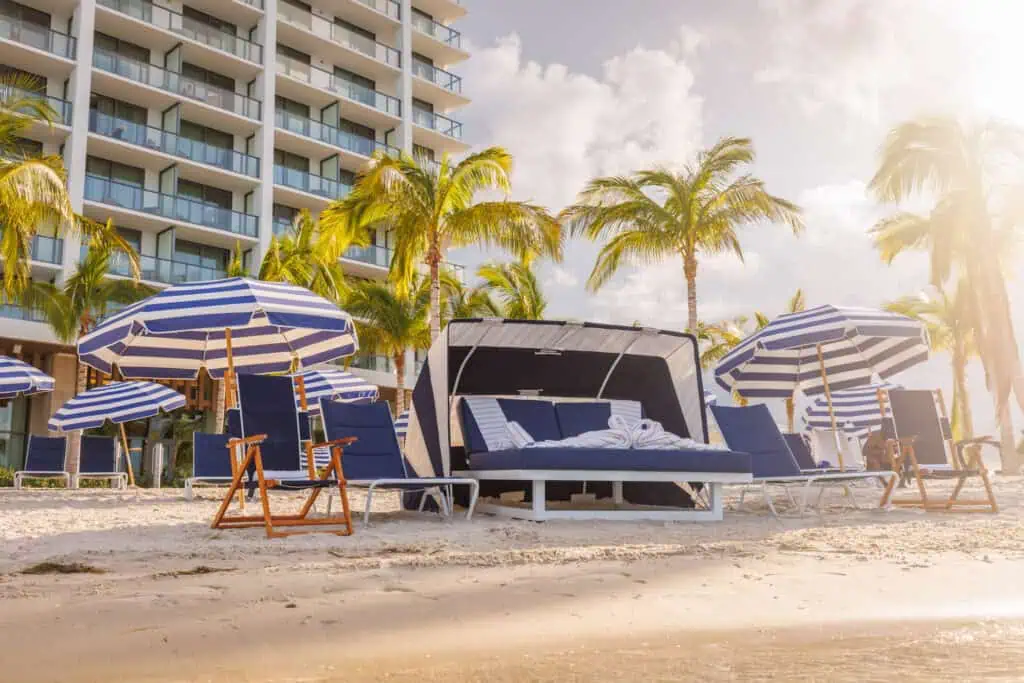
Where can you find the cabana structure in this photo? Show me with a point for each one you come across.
(533, 364)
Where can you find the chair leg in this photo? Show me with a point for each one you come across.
(369, 503)
(474, 493)
(988, 488)
(743, 494)
(264, 495)
(768, 498)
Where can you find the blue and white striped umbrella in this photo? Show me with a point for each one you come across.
(117, 402)
(335, 384)
(402, 424)
(710, 399)
(857, 411)
(18, 378)
(173, 334)
(855, 344)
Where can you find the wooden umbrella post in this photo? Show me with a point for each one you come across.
(230, 400)
(300, 386)
(127, 455)
(831, 411)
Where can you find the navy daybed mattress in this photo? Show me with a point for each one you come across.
(633, 460)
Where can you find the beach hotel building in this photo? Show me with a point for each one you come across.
(203, 124)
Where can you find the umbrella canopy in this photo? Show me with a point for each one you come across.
(402, 424)
(18, 378)
(332, 383)
(710, 399)
(118, 402)
(857, 411)
(841, 346)
(173, 334)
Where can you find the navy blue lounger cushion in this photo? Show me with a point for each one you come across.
(753, 429)
(376, 454)
(534, 415)
(800, 450)
(210, 456)
(611, 459)
(45, 453)
(98, 455)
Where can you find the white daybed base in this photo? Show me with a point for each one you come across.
(711, 512)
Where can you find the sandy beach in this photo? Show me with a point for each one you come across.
(847, 595)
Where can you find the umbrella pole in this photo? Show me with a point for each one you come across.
(831, 411)
(229, 401)
(127, 455)
(300, 385)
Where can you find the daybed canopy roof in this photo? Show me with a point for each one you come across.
(553, 359)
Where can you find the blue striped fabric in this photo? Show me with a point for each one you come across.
(117, 402)
(710, 399)
(173, 334)
(402, 424)
(857, 410)
(336, 385)
(18, 378)
(856, 343)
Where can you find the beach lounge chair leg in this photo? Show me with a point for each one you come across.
(617, 496)
(983, 471)
(474, 493)
(369, 502)
(539, 498)
(743, 494)
(768, 498)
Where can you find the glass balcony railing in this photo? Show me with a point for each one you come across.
(168, 19)
(169, 271)
(258, 4)
(307, 182)
(437, 76)
(60, 106)
(13, 312)
(437, 30)
(46, 249)
(326, 80)
(39, 37)
(389, 7)
(171, 143)
(174, 82)
(330, 135)
(442, 124)
(281, 226)
(372, 254)
(176, 207)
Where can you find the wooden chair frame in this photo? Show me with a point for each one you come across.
(267, 519)
(903, 457)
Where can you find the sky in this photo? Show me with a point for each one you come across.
(581, 88)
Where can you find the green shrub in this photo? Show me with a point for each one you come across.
(6, 477)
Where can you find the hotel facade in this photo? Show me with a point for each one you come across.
(200, 125)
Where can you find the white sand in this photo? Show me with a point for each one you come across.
(422, 586)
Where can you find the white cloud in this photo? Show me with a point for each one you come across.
(564, 128)
(561, 277)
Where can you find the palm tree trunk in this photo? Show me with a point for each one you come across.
(1009, 460)
(962, 415)
(434, 261)
(399, 360)
(690, 273)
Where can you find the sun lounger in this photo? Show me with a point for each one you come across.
(46, 459)
(270, 437)
(753, 430)
(211, 462)
(920, 444)
(375, 461)
(100, 459)
(491, 457)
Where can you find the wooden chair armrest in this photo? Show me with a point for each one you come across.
(256, 438)
(336, 442)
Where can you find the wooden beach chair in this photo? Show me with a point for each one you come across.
(920, 445)
(100, 459)
(46, 459)
(270, 437)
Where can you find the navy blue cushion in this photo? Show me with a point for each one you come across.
(917, 416)
(376, 454)
(473, 439)
(210, 455)
(267, 406)
(45, 453)
(751, 429)
(800, 450)
(98, 455)
(534, 415)
(588, 416)
(611, 459)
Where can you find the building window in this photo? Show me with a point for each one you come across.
(122, 47)
(293, 54)
(125, 111)
(25, 15)
(421, 152)
(208, 20)
(295, 162)
(206, 135)
(204, 193)
(291, 106)
(201, 255)
(354, 78)
(25, 148)
(356, 129)
(201, 75)
(112, 170)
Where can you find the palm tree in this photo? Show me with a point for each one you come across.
(391, 320)
(516, 289)
(308, 256)
(430, 207)
(32, 189)
(74, 308)
(965, 169)
(656, 214)
(949, 321)
(460, 301)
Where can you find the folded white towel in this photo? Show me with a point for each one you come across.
(519, 437)
(601, 438)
